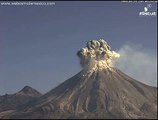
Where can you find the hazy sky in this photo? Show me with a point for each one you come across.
(38, 44)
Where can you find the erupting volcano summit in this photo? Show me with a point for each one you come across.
(99, 90)
(97, 54)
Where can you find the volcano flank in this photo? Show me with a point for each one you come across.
(99, 90)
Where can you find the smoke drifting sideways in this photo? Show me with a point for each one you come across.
(97, 54)
(138, 62)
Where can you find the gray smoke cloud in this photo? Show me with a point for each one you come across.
(138, 63)
(96, 52)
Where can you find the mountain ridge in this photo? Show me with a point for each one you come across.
(12, 101)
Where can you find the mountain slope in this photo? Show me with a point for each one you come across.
(95, 94)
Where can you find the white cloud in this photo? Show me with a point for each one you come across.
(138, 63)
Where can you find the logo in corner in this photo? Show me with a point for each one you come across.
(147, 11)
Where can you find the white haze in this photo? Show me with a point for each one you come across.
(138, 63)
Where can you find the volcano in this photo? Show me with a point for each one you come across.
(10, 102)
(99, 90)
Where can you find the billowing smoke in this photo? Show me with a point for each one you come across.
(97, 53)
(138, 62)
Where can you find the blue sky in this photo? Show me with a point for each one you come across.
(38, 44)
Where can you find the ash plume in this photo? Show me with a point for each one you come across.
(97, 53)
